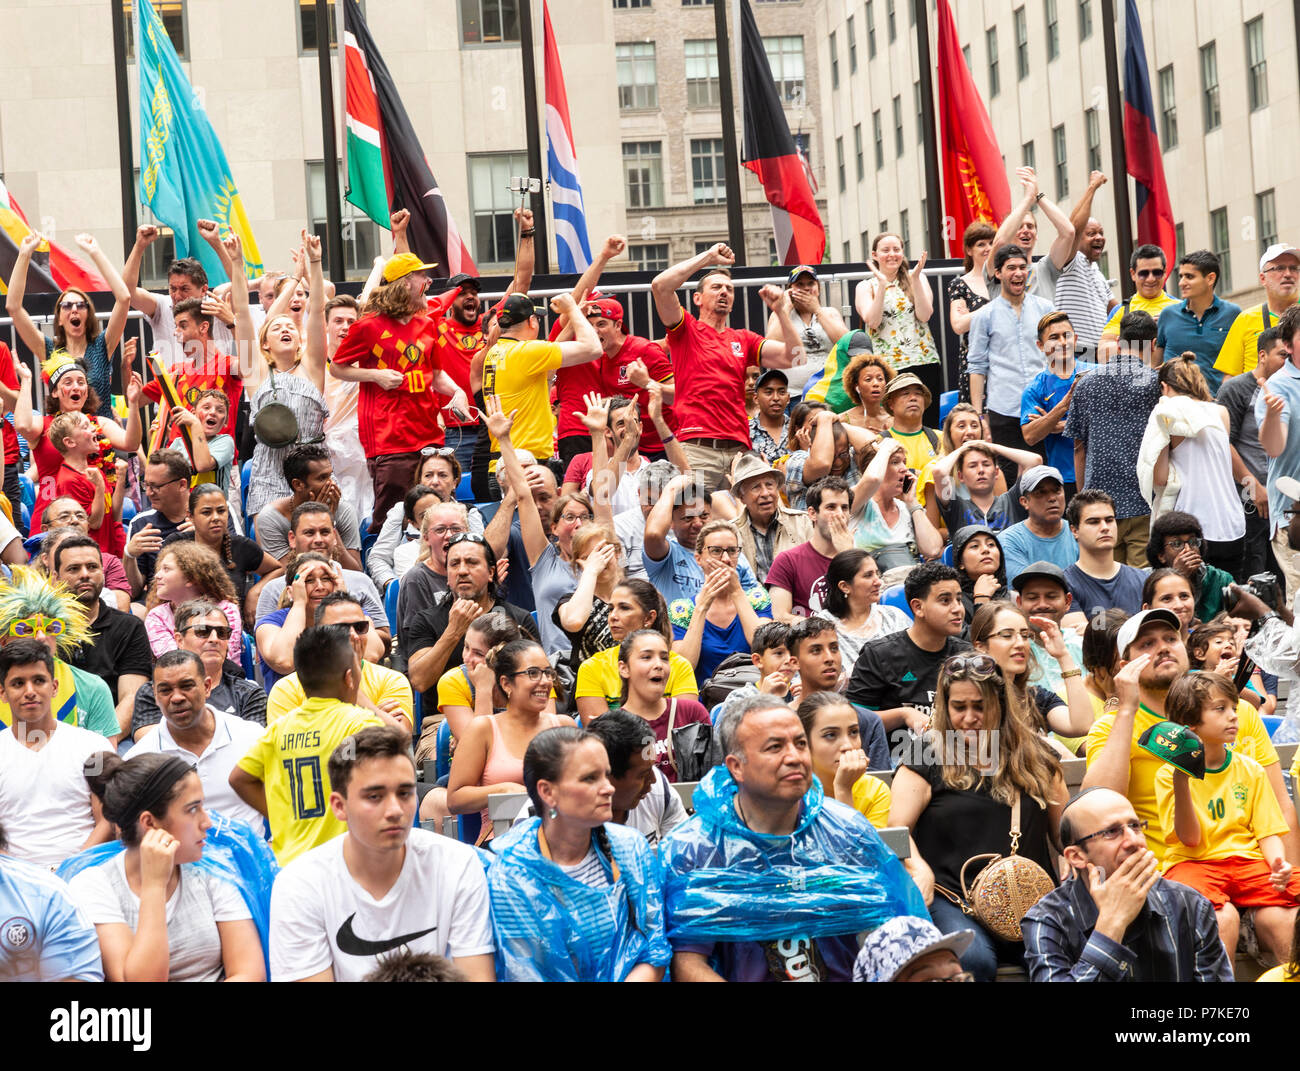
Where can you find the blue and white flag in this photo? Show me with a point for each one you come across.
(573, 252)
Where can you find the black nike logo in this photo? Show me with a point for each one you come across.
(353, 945)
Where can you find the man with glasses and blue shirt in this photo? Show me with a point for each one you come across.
(1116, 919)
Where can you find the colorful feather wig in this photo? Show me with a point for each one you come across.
(31, 592)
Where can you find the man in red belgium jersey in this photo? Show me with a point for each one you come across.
(390, 351)
(9, 397)
(709, 358)
(203, 366)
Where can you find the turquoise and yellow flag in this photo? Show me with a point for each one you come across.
(184, 176)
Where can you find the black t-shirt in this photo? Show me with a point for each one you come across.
(428, 625)
(246, 555)
(959, 823)
(119, 644)
(892, 671)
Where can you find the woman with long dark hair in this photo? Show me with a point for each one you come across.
(852, 601)
(977, 557)
(574, 896)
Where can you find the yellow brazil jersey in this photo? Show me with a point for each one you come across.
(379, 685)
(598, 675)
(1239, 353)
(1137, 303)
(1279, 974)
(1236, 808)
(292, 761)
(1252, 736)
(871, 798)
(917, 447)
(516, 372)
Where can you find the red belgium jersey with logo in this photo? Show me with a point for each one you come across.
(403, 420)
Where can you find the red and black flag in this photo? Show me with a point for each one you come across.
(387, 169)
(769, 151)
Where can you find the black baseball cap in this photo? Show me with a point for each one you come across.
(1040, 571)
(460, 279)
(771, 373)
(518, 308)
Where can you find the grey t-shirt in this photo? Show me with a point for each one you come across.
(358, 584)
(1237, 395)
(273, 530)
(553, 578)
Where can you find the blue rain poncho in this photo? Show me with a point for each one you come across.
(552, 928)
(724, 882)
(233, 851)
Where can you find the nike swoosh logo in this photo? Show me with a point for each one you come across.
(353, 945)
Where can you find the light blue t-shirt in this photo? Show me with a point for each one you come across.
(679, 576)
(45, 936)
(1045, 391)
(1285, 383)
(1021, 548)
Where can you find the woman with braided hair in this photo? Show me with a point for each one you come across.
(575, 897)
(187, 571)
(159, 918)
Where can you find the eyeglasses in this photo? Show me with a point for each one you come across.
(978, 667)
(534, 674)
(359, 627)
(576, 518)
(77, 306)
(442, 530)
(29, 626)
(438, 451)
(1276, 269)
(154, 488)
(1110, 833)
(722, 552)
(203, 632)
(1008, 634)
(1187, 541)
(1150, 273)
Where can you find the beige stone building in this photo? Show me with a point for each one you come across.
(643, 95)
(1223, 81)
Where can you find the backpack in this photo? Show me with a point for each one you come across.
(733, 671)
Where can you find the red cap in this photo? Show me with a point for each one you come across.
(607, 308)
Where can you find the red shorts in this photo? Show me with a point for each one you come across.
(1237, 880)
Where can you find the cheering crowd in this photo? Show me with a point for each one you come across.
(408, 637)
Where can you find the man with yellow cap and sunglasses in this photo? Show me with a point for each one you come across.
(391, 352)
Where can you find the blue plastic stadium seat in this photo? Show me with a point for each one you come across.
(713, 714)
(464, 493)
(249, 657)
(946, 556)
(893, 596)
(367, 540)
(128, 511)
(245, 477)
(468, 827)
(417, 712)
(390, 604)
(946, 401)
(442, 751)
(29, 490)
(1272, 722)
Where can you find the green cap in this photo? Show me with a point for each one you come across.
(1177, 745)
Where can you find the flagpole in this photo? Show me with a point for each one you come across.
(541, 244)
(329, 146)
(933, 194)
(730, 152)
(1118, 153)
(125, 155)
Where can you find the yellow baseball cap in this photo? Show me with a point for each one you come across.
(404, 264)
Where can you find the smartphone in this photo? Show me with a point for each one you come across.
(909, 481)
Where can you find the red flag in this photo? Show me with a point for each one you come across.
(63, 268)
(769, 151)
(1155, 212)
(974, 180)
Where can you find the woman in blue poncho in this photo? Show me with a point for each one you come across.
(575, 899)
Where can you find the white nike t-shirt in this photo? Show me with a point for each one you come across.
(321, 917)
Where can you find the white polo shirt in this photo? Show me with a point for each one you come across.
(232, 739)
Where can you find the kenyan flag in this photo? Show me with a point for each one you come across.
(387, 169)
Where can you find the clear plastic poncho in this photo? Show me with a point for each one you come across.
(552, 928)
(233, 851)
(833, 876)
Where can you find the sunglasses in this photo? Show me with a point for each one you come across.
(30, 626)
(978, 667)
(73, 306)
(437, 451)
(467, 537)
(359, 627)
(1149, 273)
(204, 632)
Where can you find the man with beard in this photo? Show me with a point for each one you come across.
(118, 651)
(202, 628)
(767, 529)
(191, 729)
(390, 351)
(1042, 536)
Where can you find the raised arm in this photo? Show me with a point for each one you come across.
(665, 285)
(121, 295)
(586, 343)
(788, 351)
(869, 297)
(672, 446)
(1110, 769)
(397, 224)
(317, 347)
(1007, 231)
(251, 368)
(32, 336)
(530, 519)
(525, 253)
(141, 300)
(1022, 459)
(660, 519)
(1062, 249)
(1083, 210)
(30, 425)
(922, 295)
(1272, 429)
(874, 474)
(821, 453)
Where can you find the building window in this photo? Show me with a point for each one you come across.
(1058, 158)
(1085, 19)
(172, 14)
(360, 232)
(708, 171)
(878, 135)
(1168, 107)
(307, 26)
(995, 79)
(911, 12)
(898, 126)
(1220, 246)
(1027, 157)
(920, 112)
(1053, 30)
(846, 251)
(1022, 44)
(857, 151)
(864, 240)
(1256, 64)
(492, 205)
(489, 22)
(870, 17)
(158, 257)
(1210, 87)
(835, 64)
(905, 228)
(1266, 219)
(853, 45)
(1180, 242)
(626, 4)
(884, 226)
(890, 25)
(1092, 121)
(965, 54)
(785, 57)
(637, 83)
(649, 257)
(697, 3)
(702, 74)
(643, 173)
(706, 244)
(839, 164)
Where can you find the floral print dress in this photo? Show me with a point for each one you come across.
(901, 339)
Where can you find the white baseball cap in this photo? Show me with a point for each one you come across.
(1128, 632)
(1271, 254)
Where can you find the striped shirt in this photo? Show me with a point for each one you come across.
(1083, 293)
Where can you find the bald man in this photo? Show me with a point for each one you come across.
(1115, 919)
